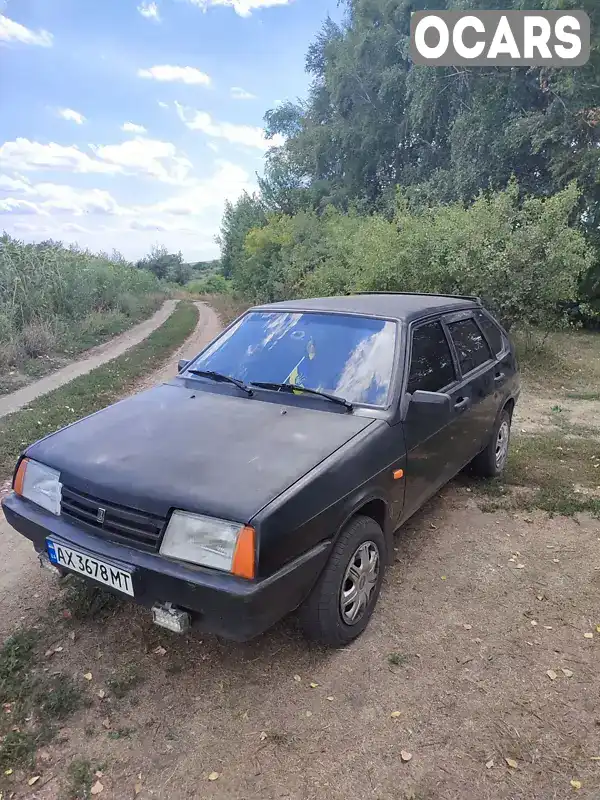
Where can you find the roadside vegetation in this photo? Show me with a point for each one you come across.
(57, 301)
(93, 391)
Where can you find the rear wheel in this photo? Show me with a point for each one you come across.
(340, 606)
(490, 463)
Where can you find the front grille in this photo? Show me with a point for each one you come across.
(121, 524)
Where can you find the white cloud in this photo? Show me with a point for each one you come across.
(11, 31)
(19, 184)
(131, 127)
(247, 135)
(71, 116)
(73, 227)
(242, 7)
(50, 198)
(58, 198)
(155, 159)
(149, 11)
(238, 93)
(169, 73)
(162, 105)
(12, 205)
(227, 183)
(150, 157)
(29, 227)
(27, 156)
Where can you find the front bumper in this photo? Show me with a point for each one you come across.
(219, 603)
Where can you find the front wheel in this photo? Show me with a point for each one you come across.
(341, 604)
(490, 463)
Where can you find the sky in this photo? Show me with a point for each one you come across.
(129, 123)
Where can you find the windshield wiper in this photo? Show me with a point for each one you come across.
(219, 378)
(290, 388)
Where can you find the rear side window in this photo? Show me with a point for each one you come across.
(431, 365)
(471, 346)
(492, 331)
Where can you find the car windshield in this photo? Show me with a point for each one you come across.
(345, 355)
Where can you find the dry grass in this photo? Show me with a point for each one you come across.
(227, 306)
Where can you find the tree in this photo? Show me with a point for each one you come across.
(166, 266)
(239, 217)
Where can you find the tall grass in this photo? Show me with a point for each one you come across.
(52, 296)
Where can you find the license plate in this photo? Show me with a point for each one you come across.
(90, 567)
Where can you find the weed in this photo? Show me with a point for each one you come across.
(126, 680)
(57, 698)
(38, 339)
(583, 395)
(121, 733)
(276, 737)
(80, 777)
(17, 749)
(491, 507)
(397, 659)
(86, 601)
(16, 659)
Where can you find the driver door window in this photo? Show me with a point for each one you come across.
(431, 364)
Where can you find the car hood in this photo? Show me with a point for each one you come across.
(172, 447)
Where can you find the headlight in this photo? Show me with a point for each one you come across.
(209, 542)
(40, 484)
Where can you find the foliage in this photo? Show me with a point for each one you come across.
(45, 283)
(520, 256)
(59, 300)
(212, 284)
(202, 267)
(373, 121)
(248, 212)
(166, 266)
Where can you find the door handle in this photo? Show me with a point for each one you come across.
(499, 376)
(461, 404)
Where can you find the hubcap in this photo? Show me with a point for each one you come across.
(359, 582)
(502, 444)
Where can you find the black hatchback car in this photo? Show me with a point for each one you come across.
(271, 474)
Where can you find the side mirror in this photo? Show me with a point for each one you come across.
(430, 398)
(182, 365)
(437, 402)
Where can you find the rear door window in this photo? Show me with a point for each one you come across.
(431, 365)
(471, 346)
(494, 335)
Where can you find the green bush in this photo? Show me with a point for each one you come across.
(213, 284)
(520, 256)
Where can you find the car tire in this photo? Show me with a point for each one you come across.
(490, 463)
(325, 615)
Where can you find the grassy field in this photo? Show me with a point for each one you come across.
(96, 390)
(56, 302)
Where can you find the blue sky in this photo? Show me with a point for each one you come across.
(130, 122)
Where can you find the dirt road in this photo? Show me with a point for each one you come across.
(475, 612)
(94, 358)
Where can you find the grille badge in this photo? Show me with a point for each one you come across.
(100, 515)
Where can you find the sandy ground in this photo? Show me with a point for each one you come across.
(476, 609)
(94, 358)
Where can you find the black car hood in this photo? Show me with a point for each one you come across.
(213, 453)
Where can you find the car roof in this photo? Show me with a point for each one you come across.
(397, 306)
